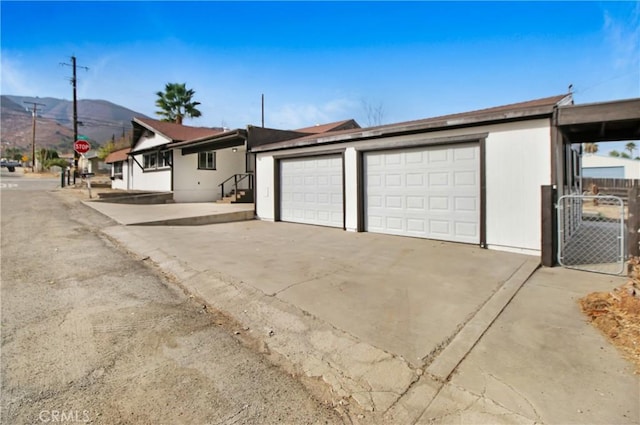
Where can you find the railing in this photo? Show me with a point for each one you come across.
(236, 180)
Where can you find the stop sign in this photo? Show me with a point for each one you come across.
(81, 146)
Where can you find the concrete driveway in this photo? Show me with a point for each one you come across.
(420, 330)
(406, 296)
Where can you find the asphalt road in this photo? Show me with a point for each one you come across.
(91, 334)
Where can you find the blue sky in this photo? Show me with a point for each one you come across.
(319, 62)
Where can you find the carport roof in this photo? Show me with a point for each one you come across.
(600, 122)
(531, 109)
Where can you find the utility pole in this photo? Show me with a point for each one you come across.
(74, 83)
(34, 111)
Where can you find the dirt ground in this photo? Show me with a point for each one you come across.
(91, 334)
(617, 314)
(605, 211)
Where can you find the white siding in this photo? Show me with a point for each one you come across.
(631, 166)
(193, 185)
(518, 162)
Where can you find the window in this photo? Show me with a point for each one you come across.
(157, 160)
(117, 169)
(150, 160)
(207, 160)
(165, 159)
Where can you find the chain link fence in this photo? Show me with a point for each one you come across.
(591, 233)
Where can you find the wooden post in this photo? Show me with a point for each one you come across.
(549, 226)
(633, 224)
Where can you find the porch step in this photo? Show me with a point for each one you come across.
(244, 196)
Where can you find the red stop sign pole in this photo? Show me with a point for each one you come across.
(81, 146)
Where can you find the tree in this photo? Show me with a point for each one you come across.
(45, 157)
(13, 153)
(625, 155)
(591, 147)
(615, 154)
(375, 113)
(630, 147)
(113, 145)
(176, 102)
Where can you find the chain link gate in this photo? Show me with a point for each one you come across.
(591, 233)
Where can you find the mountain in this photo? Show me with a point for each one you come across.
(99, 120)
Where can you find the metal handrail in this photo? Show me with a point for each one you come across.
(237, 178)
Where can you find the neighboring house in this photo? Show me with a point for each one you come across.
(90, 163)
(599, 166)
(208, 168)
(152, 155)
(197, 164)
(120, 168)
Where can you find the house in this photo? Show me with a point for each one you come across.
(211, 167)
(197, 164)
(148, 163)
(452, 178)
(474, 177)
(120, 168)
(90, 163)
(600, 166)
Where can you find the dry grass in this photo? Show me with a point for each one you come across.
(617, 314)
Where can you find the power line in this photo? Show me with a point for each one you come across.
(74, 83)
(34, 110)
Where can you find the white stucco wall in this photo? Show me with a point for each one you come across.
(631, 166)
(121, 183)
(264, 186)
(150, 140)
(154, 180)
(193, 185)
(518, 162)
(518, 158)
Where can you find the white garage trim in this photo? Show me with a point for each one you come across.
(311, 190)
(430, 192)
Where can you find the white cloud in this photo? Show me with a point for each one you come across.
(15, 79)
(623, 36)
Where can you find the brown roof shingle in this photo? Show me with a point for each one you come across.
(117, 156)
(177, 132)
(514, 111)
(332, 126)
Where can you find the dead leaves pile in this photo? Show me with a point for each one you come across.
(617, 314)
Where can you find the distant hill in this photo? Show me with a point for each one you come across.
(99, 120)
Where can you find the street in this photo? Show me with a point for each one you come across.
(92, 334)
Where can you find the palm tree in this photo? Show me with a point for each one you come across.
(591, 147)
(630, 147)
(176, 102)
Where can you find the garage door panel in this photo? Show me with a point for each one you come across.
(430, 192)
(311, 190)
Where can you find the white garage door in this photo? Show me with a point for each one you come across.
(428, 192)
(311, 190)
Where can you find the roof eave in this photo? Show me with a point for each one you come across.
(227, 135)
(414, 127)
